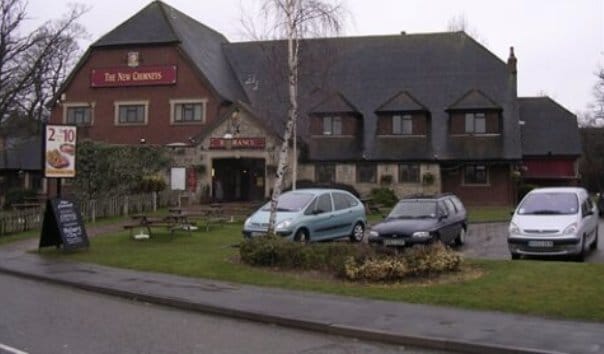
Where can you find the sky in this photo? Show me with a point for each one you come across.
(559, 43)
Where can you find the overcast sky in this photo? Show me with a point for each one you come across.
(559, 43)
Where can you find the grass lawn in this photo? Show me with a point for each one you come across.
(557, 289)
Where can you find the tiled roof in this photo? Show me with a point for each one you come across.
(548, 128)
(336, 103)
(474, 99)
(159, 23)
(402, 101)
(435, 69)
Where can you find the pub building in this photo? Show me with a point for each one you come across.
(418, 113)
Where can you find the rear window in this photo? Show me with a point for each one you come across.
(549, 204)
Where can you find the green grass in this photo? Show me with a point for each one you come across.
(548, 288)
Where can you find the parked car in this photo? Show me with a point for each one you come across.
(559, 221)
(423, 219)
(306, 215)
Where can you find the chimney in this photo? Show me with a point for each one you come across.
(512, 61)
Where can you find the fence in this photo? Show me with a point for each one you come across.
(30, 219)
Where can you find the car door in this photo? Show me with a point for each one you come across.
(445, 226)
(455, 217)
(343, 214)
(589, 219)
(322, 222)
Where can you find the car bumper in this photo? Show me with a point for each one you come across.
(259, 233)
(544, 246)
(400, 242)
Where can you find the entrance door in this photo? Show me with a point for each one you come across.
(238, 179)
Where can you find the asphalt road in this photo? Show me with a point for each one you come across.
(490, 241)
(38, 317)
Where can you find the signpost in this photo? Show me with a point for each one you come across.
(62, 224)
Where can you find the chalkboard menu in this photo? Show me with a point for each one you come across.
(63, 225)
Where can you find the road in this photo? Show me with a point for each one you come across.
(489, 241)
(38, 317)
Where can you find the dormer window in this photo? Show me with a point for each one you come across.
(476, 123)
(402, 124)
(332, 125)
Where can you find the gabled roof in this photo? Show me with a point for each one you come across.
(436, 68)
(159, 23)
(474, 99)
(336, 103)
(402, 101)
(548, 128)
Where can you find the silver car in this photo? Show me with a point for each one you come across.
(561, 221)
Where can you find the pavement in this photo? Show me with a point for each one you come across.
(445, 328)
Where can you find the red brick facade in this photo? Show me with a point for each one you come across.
(458, 123)
(420, 124)
(498, 191)
(159, 129)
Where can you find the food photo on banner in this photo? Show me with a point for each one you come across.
(60, 151)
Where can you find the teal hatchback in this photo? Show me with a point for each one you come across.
(306, 215)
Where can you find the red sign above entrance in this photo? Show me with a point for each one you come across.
(237, 143)
(140, 76)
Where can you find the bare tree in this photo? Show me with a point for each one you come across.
(293, 20)
(33, 66)
(461, 23)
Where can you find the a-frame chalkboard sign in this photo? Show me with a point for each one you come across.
(63, 225)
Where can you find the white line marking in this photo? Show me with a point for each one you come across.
(11, 350)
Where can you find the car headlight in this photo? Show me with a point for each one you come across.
(284, 224)
(514, 229)
(421, 234)
(373, 233)
(570, 229)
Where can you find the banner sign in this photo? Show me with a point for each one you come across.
(60, 151)
(139, 76)
(237, 143)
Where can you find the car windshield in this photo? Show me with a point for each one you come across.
(414, 209)
(549, 204)
(291, 202)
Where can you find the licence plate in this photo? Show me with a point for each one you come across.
(257, 234)
(541, 244)
(394, 242)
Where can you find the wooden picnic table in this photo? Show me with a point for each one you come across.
(173, 222)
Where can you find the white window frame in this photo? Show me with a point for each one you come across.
(332, 124)
(475, 117)
(175, 102)
(116, 109)
(67, 106)
(398, 121)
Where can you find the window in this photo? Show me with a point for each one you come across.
(78, 115)
(342, 201)
(408, 173)
(450, 207)
(324, 203)
(458, 204)
(366, 173)
(332, 125)
(476, 174)
(130, 113)
(188, 111)
(402, 125)
(476, 123)
(325, 173)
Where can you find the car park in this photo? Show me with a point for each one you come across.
(307, 215)
(558, 221)
(422, 219)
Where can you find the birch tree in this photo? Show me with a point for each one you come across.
(294, 20)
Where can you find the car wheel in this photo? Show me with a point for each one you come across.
(515, 256)
(594, 244)
(302, 236)
(461, 237)
(580, 257)
(358, 231)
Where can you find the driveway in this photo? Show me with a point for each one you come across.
(489, 241)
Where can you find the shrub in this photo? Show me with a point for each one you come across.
(350, 261)
(416, 261)
(384, 196)
(523, 190)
